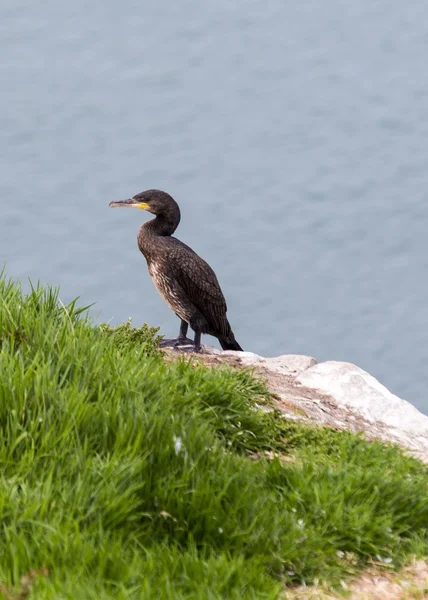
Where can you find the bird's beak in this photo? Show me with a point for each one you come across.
(132, 203)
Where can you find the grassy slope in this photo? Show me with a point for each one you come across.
(130, 478)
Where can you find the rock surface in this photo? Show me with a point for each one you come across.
(334, 393)
(352, 387)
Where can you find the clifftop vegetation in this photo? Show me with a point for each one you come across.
(126, 476)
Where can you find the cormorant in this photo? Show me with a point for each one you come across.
(185, 281)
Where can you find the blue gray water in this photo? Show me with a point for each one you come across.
(293, 135)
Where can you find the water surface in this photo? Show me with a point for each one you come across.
(294, 137)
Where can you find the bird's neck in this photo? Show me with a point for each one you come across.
(162, 225)
(151, 234)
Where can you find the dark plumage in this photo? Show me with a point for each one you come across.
(185, 281)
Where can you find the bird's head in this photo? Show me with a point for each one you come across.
(155, 201)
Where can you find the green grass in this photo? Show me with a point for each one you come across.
(128, 477)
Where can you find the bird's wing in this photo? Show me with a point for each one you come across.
(200, 284)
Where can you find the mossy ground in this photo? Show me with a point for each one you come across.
(124, 476)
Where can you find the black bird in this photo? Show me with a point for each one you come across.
(185, 281)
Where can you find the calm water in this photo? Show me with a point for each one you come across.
(293, 135)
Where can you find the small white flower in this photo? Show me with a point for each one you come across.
(220, 529)
(177, 444)
(340, 554)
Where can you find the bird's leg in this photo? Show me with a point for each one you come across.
(182, 339)
(200, 325)
(182, 336)
(197, 342)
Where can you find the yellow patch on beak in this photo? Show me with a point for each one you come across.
(142, 205)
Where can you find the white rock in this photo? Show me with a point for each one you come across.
(337, 394)
(286, 364)
(354, 388)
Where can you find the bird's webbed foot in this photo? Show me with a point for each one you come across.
(187, 349)
(183, 341)
(183, 344)
(167, 343)
(186, 345)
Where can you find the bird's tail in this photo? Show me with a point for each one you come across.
(230, 343)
